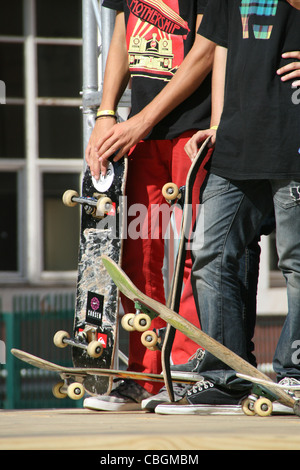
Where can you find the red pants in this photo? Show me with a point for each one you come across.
(151, 165)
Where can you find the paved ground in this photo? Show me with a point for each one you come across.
(70, 429)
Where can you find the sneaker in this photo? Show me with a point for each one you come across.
(192, 365)
(163, 396)
(290, 382)
(127, 396)
(206, 397)
(168, 409)
(279, 408)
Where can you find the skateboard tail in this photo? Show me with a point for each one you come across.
(198, 336)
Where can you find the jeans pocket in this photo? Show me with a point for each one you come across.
(215, 185)
(287, 195)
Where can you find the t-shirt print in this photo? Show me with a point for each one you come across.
(155, 38)
(262, 9)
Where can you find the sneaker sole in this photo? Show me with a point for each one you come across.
(109, 406)
(279, 409)
(199, 409)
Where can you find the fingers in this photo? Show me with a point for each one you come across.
(192, 146)
(101, 128)
(291, 71)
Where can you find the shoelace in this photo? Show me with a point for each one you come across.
(200, 386)
(289, 381)
(199, 354)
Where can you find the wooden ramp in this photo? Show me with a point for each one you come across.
(76, 429)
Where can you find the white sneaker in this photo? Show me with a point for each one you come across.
(127, 396)
(163, 396)
(279, 408)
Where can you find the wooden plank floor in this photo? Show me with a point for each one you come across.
(70, 429)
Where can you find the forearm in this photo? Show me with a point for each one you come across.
(218, 84)
(218, 88)
(192, 72)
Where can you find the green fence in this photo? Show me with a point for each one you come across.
(23, 386)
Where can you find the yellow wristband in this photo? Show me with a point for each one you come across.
(214, 127)
(106, 112)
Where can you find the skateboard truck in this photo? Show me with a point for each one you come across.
(141, 321)
(85, 339)
(97, 206)
(259, 402)
(68, 388)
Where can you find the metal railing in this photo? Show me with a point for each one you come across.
(24, 386)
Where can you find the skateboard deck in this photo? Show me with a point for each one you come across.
(96, 316)
(74, 378)
(274, 386)
(185, 198)
(154, 308)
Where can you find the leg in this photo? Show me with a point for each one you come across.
(287, 213)
(143, 252)
(248, 275)
(230, 217)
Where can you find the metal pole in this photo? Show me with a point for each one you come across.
(90, 65)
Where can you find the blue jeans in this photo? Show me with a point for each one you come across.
(230, 218)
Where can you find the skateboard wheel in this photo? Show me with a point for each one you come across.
(263, 407)
(95, 349)
(57, 390)
(247, 407)
(141, 322)
(104, 206)
(76, 391)
(170, 191)
(149, 339)
(67, 198)
(59, 337)
(127, 321)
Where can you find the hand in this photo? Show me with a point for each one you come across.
(192, 146)
(292, 70)
(102, 126)
(119, 140)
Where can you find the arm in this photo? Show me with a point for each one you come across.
(292, 70)
(116, 78)
(218, 87)
(193, 70)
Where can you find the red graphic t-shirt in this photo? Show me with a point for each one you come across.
(159, 34)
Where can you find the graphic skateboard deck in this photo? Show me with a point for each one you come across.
(74, 378)
(184, 196)
(154, 308)
(94, 336)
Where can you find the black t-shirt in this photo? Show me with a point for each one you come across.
(259, 133)
(159, 35)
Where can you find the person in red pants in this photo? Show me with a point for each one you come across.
(150, 41)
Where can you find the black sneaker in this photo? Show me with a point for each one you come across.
(192, 365)
(206, 397)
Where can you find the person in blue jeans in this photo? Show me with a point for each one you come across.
(255, 167)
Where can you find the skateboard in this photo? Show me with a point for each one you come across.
(184, 196)
(153, 308)
(96, 316)
(163, 338)
(74, 378)
(266, 389)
